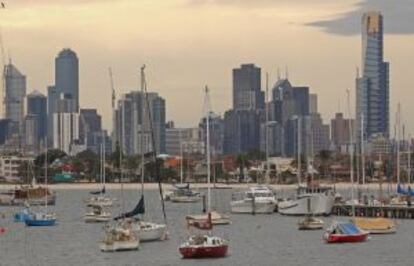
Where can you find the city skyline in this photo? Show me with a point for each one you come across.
(180, 78)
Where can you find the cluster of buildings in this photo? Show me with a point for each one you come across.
(282, 120)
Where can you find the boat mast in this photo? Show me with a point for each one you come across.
(398, 142)
(103, 161)
(409, 159)
(208, 150)
(181, 155)
(351, 153)
(299, 152)
(267, 177)
(362, 149)
(141, 131)
(46, 173)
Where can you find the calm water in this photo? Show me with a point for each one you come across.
(254, 240)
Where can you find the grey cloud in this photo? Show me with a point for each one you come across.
(398, 18)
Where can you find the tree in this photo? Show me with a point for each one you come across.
(88, 162)
(325, 157)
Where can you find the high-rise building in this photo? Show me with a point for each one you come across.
(90, 127)
(185, 140)
(129, 119)
(15, 84)
(372, 88)
(247, 93)
(340, 130)
(242, 130)
(67, 76)
(65, 131)
(37, 109)
(66, 88)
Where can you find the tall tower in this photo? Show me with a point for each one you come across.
(372, 88)
(247, 94)
(37, 107)
(67, 76)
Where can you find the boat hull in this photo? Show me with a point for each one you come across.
(242, 206)
(185, 199)
(31, 222)
(338, 238)
(119, 246)
(96, 219)
(204, 251)
(152, 232)
(321, 204)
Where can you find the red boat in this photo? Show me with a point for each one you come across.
(344, 232)
(2, 230)
(204, 246)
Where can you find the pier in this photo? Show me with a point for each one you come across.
(387, 211)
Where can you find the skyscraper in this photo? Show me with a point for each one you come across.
(66, 88)
(67, 76)
(129, 120)
(37, 109)
(247, 94)
(372, 88)
(15, 83)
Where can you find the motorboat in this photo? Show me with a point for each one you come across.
(376, 225)
(256, 199)
(341, 232)
(185, 196)
(310, 223)
(97, 215)
(119, 237)
(41, 219)
(322, 200)
(216, 218)
(100, 200)
(204, 246)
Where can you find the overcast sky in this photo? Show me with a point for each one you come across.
(189, 43)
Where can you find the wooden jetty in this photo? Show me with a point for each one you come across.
(387, 211)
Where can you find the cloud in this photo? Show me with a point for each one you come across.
(398, 18)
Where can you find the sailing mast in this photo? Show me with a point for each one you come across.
(267, 177)
(299, 152)
(362, 149)
(398, 142)
(46, 174)
(208, 153)
(141, 131)
(351, 153)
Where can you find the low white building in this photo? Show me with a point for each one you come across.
(9, 167)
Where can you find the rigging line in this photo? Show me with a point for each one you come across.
(157, 168)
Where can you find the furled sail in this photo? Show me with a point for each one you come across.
(139, 209)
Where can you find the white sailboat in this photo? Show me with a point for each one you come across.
(147, 230)
(100, 198)
(215, 216)
(119, 236)
(320, 198)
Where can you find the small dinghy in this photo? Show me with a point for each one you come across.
(340, 232)
(310, 223)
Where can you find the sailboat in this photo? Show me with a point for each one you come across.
(216, 217)
(204, 245)
(119, 236)
(147, 231)
(42, 218)
(322, 198)
(100, 198)
(340, 232)
(98, 214)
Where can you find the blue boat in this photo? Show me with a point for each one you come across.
(41, 219)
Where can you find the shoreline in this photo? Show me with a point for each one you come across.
(152, 186)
